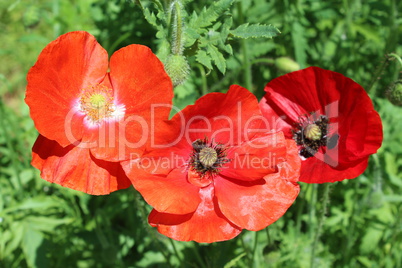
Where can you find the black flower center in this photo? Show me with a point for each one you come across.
(207, 158)
(310, 135)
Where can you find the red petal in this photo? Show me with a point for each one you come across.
(70, 63)
(254, 159)
(229, 118)
(170, 193)
(139, 80)
(255, 205)
(273, 121)
(75, 168)
(316, 171)
(205, 225)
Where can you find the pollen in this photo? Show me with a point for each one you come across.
(96, 101)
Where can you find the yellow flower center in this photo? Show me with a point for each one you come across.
(96, 101)
(312, 132)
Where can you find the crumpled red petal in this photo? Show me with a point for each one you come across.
(254, 205)
(76, 168)
(170, 193)
(206, 225)
(256, 158)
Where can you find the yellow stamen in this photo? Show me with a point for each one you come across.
(97, 102)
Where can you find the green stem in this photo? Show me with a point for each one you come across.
(299, 212)
(247, 251)
(320, 222)
(13, 156)
(204, 87)
(268, 236)
(267, 61)
(246, 60)
(197, 255)
(154, 239)
(175, 251)
(397, 57)
(254, 247)
(350, 237)
(377, 74)
(313, 201)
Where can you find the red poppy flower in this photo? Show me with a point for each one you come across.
(76, 97)
(212, 171)
(330, 117)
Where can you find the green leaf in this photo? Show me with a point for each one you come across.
(203, 58)
(151, 18)
(40, 202)
(246, 30)
(31, 242)
(211, 14)
(217, 57)
(234, 261)
(300, 43)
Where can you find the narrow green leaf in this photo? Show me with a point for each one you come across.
(234, 261)
(300, 43)
(246, 30)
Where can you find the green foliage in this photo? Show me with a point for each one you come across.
(255, 31)
(44, 225)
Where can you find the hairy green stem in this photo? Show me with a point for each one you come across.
(321, 220)
(377, 74)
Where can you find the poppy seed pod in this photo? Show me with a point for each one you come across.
(394, 93)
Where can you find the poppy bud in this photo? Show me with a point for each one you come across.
(286, 64)
(394, 93)
(177, 68)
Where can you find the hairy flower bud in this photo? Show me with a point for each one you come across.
(286, 64)
(394, 93)
(177, 68)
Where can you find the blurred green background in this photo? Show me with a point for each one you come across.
(45, 225)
